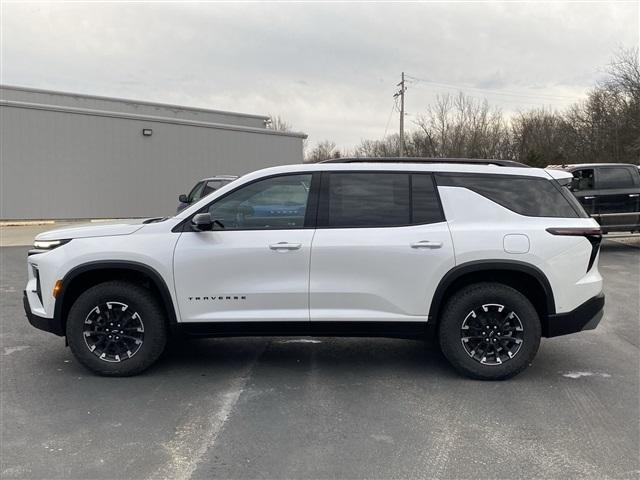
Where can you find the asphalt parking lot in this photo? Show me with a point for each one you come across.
(325, 408)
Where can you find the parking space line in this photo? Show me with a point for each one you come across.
(199, 433)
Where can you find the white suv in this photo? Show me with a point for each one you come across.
(488, 255)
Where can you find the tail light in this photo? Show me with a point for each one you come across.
(593, 234)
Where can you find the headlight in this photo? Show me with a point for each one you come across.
(49, 244)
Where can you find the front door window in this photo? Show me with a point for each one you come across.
(273, 203)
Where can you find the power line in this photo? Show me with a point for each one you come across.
(512, 101)
(494, 92)
(400, 94)
(394, 106)
(501, 100)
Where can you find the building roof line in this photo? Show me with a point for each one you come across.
(131, 101)
(148, 118)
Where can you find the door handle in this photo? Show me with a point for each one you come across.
(589, 198)
(285, 246)
(634, 195)
(426, 244)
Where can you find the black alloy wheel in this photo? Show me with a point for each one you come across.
(113, 332)
(492, 334)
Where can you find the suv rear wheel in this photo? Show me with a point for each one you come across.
(489, 331)
(116, 329)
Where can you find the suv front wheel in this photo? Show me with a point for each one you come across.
(489, 331)
(116, 329)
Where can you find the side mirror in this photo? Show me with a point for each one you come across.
(201, 222)
(183, 198)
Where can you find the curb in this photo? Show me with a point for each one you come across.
(33, 223)
(26, 223)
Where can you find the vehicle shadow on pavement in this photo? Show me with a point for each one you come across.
(302, 353)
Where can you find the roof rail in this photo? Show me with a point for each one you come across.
(472, 161)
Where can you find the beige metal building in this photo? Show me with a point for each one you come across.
(64, 155)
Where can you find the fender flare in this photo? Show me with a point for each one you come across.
(133, 266)
(488, 265)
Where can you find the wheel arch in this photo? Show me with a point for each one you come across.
(88, 274)
(526, 278)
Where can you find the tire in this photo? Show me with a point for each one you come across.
(116, 329)
(486, 342)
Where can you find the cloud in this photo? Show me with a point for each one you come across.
(329, 69)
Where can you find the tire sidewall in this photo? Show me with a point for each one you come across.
(137, 299)
(472, 297)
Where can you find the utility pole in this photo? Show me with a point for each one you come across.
(400, 94)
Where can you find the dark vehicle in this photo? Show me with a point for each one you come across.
(609, 192)
(203, 188)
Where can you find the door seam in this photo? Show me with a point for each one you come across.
(315, 230)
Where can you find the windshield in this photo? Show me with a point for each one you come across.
(194, 194)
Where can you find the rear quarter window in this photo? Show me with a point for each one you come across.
(529, 196)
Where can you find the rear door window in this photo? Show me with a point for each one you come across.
(367, 199)
(379, 199)
(425, 203)
(614, 177)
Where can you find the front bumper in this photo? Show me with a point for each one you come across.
(585, 317)
(47, 324)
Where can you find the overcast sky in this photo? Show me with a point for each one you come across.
(329, 69)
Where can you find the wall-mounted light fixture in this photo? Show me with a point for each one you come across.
(147, 132)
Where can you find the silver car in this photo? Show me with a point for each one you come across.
(203, 188)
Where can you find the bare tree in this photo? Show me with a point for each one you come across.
(323, 150)
(461, 126)
(624, 72)
(387, 147)
(541, 137)
(606, 126)
(603, 127)
(276, 122)
(624, 84)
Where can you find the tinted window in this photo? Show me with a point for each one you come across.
(212, 186)
(208, 188)
(583, 180)
(277, 202)
(573, 201)
(614, 177)
(531, 196)
(425, 203)
(368, 199)
(194, 194)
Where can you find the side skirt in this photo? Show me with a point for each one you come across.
(406, 330)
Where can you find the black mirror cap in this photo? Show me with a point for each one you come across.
(183, 198)
(201, 222)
